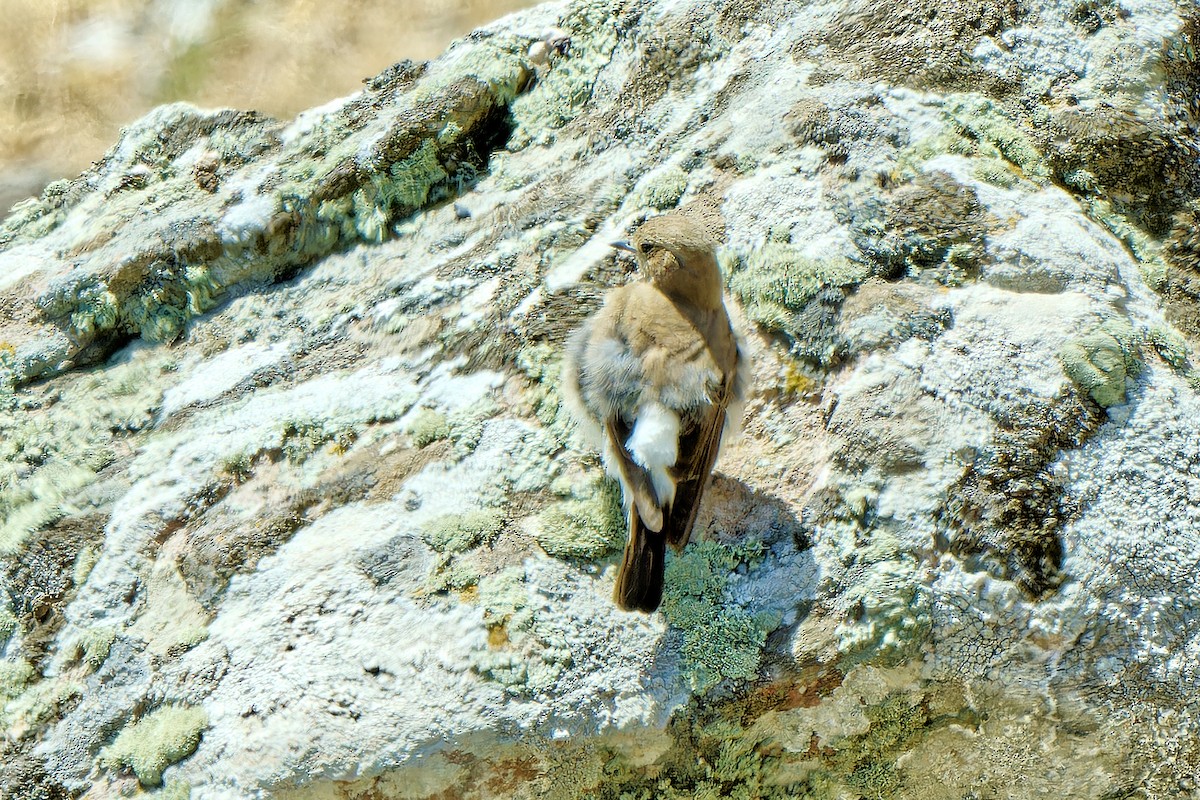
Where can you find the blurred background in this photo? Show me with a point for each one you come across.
(72, 72)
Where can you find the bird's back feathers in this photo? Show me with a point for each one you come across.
(652, 374)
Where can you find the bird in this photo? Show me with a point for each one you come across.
(656, 378)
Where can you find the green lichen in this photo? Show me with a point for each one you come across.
(39, 501)
(1152, 263)
(713, 756)
(428, 426)
(1182, 247)
(500, 63)
(40, 701)
(1101, 360)
(50, 451)
(661, 189)
(868, 762)
(299, 439)
(995, 171)
(932, 227)
(562, 90)
(239, 467)
(893, 620)
(457, 533)
(186, 638)
(8, 625)
(163, 737)
(84, 563)
(721, 640)
(542, 364)
(588, 524)
(34, 217)
(526, 656)
(730, 749)
(998, 135)
(1170, 345)
(776, 283)
(14, 677)
(467, 424)
(451, 575)
(950, 140)
(338, 184)
(94, 646)
(405, 187)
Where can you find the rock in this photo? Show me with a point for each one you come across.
(290, 506)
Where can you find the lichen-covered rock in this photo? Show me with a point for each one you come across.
(289, 506)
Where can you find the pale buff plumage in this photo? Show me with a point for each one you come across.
(657, 376)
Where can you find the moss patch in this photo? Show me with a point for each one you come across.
(163, 737)
(721, 640)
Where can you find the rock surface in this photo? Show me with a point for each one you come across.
(290, 508)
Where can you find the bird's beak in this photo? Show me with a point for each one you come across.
(624, 245)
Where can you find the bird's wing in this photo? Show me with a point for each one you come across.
(635, 480)
(698, 448)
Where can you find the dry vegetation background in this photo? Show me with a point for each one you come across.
(72, 72)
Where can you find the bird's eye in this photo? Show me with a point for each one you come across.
(646, 248)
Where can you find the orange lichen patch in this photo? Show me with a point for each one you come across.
(497, 637)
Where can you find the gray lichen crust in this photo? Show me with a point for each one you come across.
(290, 507)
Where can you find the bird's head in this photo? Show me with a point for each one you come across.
(670, 244)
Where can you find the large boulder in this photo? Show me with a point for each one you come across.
(290, 507)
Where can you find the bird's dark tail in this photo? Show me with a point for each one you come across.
(640, 579)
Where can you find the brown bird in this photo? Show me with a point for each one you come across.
(657, 377)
